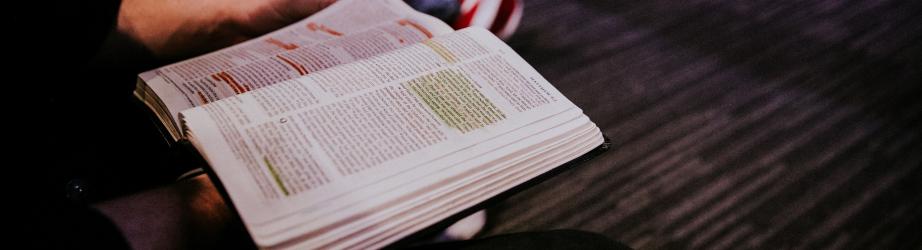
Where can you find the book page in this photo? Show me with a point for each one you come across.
(344, 32)
(547, 150)
(321, 142)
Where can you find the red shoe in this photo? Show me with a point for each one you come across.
(501, 17)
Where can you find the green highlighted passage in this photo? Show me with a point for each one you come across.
(455, 100)
(441, 50)
(275, 175)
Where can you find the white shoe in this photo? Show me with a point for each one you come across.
(466, 228)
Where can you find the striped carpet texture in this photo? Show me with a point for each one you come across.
(735, 124)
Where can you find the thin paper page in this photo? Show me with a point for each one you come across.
(425, 211)
(344, 32)
(308, 141)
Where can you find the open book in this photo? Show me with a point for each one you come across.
(365, 123)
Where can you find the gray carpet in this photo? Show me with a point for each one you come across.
(735, 124)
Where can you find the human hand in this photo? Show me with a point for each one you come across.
(174, 29)
(187, 214)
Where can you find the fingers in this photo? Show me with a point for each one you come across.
(299, 9)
